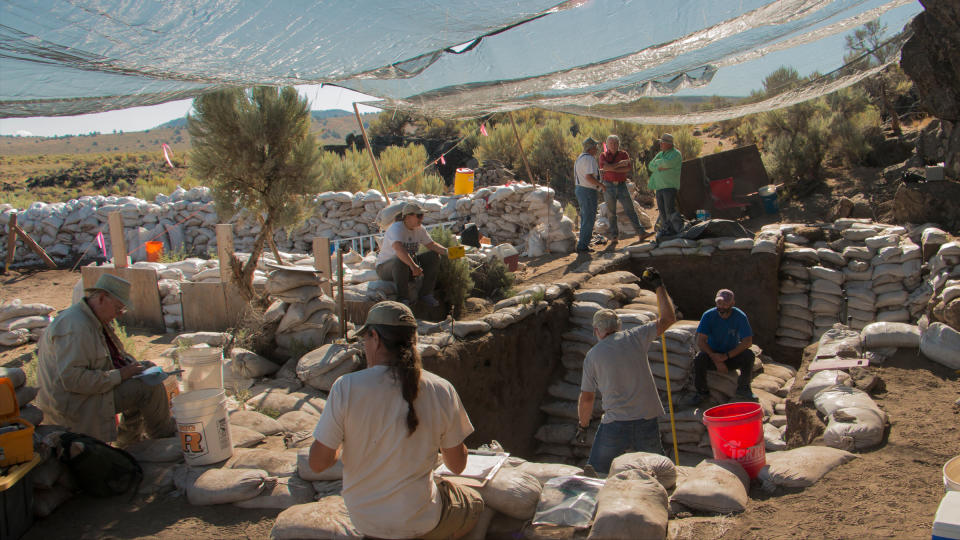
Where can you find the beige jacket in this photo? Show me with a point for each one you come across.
(76, 374)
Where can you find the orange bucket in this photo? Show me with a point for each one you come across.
(154, 250)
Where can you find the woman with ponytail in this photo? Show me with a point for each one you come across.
(386, 423)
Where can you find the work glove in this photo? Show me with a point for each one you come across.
(581, 436)
(651, 278)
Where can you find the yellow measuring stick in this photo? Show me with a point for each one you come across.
(673, 425)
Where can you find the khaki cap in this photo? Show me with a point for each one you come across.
(411, 208)
(116, 287)
(605, 318)
(387, 313)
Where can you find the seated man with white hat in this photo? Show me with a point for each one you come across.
(86, 377)
(398, 260)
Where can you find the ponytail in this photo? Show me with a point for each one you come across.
(404, 365)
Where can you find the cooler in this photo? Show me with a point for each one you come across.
(946, 524)
(15, 446)
(16, 499)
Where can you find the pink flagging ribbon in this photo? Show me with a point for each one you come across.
(102, 244)
(483, 129)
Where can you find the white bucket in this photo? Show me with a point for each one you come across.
(202, 367)
(204, 427)
(951, 474)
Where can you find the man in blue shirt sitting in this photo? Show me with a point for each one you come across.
(724, 338)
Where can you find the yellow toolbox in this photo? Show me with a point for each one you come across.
(16, 434)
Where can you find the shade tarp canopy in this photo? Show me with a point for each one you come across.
(453, 58)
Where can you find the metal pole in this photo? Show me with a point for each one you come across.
(373, 160)
(546, 221)
(340, 305)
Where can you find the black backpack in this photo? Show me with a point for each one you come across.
(100, 469)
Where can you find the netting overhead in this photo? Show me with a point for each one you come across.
(455, 58)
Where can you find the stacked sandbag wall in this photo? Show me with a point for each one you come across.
(185, 220)
(21, 323)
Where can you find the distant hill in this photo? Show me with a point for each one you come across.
(329, 127)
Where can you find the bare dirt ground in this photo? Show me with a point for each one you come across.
(890, 492)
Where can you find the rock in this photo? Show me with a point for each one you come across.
(865, 380)
(931, 201)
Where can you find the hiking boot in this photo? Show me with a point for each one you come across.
(429, 300)
(745, 394)
(585, 250)
(692, 400)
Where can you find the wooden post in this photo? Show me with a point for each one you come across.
(321, 261)
(11, 241)
(117, 242)
(35, 247)
(225, 251)
(341, 309)
(366, 142)
(546, 222)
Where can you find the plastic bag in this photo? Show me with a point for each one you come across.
(566, 503)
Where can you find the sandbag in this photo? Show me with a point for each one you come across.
(714, 486)
(14, 338)
(801, 467)
(157, 477)
(297, 313)
(25, 323)
(250, 364)
(304, 471)
(631, 504)
(941, 344)
(512, 492)
(320, 367)
(214, 339)
(284, 493)
(280, 402)
(274, 462)
(280, 281)
(221, 486)
(657, 466)
(244, 437)
(325, 519)
(834, 398)
(166, 450)
(543, 472)
(298, 421)
(45, 501)
(823, 379)
(854, 428)
(255, 421)
(16, 309)
(773, 439)
(880, 335)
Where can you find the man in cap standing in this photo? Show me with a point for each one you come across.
(615, 168)
(86, 377)
(665, 182)
(587, 177)
(724, 338)
(618, 367)
(398, 259)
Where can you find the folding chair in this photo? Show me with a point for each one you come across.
(721, 192)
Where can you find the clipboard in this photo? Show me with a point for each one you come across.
(481, 467)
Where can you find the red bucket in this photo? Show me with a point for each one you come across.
(736, 432)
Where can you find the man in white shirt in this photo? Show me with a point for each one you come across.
(586, 173)
(398, 260)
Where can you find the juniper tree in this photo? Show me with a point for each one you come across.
(255, 148)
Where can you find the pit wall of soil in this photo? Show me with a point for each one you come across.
(693, 283)
(502, 377)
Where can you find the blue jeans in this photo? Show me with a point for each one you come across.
(588, 214)
(616, 438)
(671, 223)
(618, 192)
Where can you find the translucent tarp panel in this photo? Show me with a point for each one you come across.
(593, 57)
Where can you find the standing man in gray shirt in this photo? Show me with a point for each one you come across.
(617, 367)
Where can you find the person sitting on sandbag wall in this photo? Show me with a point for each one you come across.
(724, 338)
(86, 377)
(386, 424)
(398, 259)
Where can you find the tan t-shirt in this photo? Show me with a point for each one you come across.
(388, 482)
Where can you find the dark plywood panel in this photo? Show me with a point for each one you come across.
(742, 164)
(146, 311)
(204, 306)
